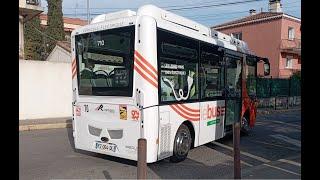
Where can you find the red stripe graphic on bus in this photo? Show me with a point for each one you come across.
(145, 69)
(145, 77)
(74, 68)
(186, 112)
(189, 109)
(145, 62)
(195, 117)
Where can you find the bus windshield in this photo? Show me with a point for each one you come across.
(105, 62)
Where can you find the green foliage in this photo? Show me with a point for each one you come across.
(33, 46)
(55, 23)
(296, 75)
(296, 83)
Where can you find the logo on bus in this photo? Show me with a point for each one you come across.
(214, 111)
(100, 108)
(135, 114)
(123, 112)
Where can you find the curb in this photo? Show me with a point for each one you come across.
(44, 126)
(276, 111)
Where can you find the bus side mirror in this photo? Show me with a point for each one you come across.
(266, 67)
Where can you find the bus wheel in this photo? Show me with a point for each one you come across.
(182, 144)
(245, 128)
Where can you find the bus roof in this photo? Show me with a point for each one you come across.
(161, 14)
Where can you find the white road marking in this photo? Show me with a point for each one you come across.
(282, 169)
(280, 122)
(290, 162)
(250, 165)
(287, 139)
(277, 145)
(244, 153)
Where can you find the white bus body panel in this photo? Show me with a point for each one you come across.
(212, 121)
(171, 117)
(121, 131)
(146, 46)
(111, 16)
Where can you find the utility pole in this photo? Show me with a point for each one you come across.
(75, 9)
(88, 13)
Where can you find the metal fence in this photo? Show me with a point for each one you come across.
(278, 93)
(268, 87)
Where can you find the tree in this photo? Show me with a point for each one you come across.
(55, 23)
(295, 84)
(33, 47)
(296, 75)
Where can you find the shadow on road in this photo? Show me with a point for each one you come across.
(189, 169)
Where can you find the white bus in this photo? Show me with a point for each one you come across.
(160, 76)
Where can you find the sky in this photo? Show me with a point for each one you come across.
(217, 12)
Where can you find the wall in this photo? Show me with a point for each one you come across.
(283, 71)
(45, 90)
(286, 22)
(263, 39)
(279, 102)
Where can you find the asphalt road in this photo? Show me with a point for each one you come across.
(272, 150)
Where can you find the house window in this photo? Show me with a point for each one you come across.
(290, 33)
(289, 62)
(237, 35)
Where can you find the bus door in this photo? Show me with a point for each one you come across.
(233, 88)
(212, 102)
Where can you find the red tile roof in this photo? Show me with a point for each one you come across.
(65, 45)
(67, 20)
(252, 18)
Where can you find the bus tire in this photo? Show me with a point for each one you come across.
(182, 144)
(245, 126)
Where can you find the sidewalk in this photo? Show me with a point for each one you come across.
(49, 123)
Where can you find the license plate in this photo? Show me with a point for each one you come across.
(105, 146)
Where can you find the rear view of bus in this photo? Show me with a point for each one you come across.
(105, 119)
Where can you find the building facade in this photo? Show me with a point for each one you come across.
(27, 10)
(271, 34)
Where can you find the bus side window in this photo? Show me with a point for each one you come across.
(211, 72)
(178, 56)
